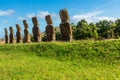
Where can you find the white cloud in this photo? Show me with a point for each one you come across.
(5, 22)
(21, 18)
(91, 17)
(55, 15)
(42, 14)
(39, 14)
(7, 12)
(87, 15)
(105, 18)
(30, 15)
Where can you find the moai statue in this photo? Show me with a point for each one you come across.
(11, 35)
(18, 34)
(36, 30)
(50, 29)
(6, 35)
(26, 32)
(65, 26)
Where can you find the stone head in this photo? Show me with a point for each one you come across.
(64, 15)
(48, 19)
(35, 21)
(25, 24)
(18, 27)
(11, 30)
(6, 32)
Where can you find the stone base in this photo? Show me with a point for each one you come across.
(36, 34)
(50, 33)
(6, 39)
(19, 37)
(11, 38)
(66, 31)
(27, 40)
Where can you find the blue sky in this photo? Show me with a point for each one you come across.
(14, 11)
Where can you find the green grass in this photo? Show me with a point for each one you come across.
(78, 60)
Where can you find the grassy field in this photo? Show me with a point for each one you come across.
(78, 60)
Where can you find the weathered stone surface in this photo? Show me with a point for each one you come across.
(64, 16)
(48, 19)
(50, 32)
(18, 34)
(26, 32)
(11, 35)
(65, 26)
(6, 35)
(36, 30)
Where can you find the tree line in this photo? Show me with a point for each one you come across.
(103, 29)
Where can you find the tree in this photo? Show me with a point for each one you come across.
(112, 29)
(81, 23)
(83, 31)
(94, 33)
(117, 30)
(73, 28)
(58, 33)
(105, 29)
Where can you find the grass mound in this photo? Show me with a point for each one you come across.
(61, 60)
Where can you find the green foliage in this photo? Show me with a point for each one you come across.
(73, 29)
(32, 38)
(44, 38)
(117, 30)
(58, 34)
(81, 23)
(101, 30)
(105, 29)
(85, 30)
(94, 33)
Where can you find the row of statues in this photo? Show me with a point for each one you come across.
(65, 29)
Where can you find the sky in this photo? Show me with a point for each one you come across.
(15, 11)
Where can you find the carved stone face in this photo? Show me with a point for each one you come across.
(64, 15)
(11, 30)
(18, 27)
(6, 32)
(25, 24)
(35, 21)
(48, 19)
